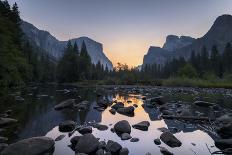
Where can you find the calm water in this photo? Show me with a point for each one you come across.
(37, 117)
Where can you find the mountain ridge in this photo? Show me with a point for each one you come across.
(46, 41)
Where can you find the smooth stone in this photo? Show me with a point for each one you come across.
(129, 111)
(100, 152)
(87, 144)
(67, 126)
(74, 140)
(169, 139)
(124, 151)
(134, 140)
(85, 130)
(122, 127)
(157, 141)
(125, 136)
(142, 125)
(31, 146)
(102, 145)
(113, 147)
(65, 104)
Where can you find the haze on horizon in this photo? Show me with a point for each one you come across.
(126, 28)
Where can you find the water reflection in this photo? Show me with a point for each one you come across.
(37, 117)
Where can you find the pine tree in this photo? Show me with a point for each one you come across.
(75, 48)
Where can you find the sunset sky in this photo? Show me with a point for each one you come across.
(126, 28)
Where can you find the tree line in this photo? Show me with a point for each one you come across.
(200, 65)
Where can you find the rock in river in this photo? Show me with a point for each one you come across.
(142, 125)
(122, 127)
(31, 146)
(85, 130)
(67, 126)
(169, 139)
(65, 104)
(100, 126)
(124, 151)
(165, 151)
(129, 111)
(87, 144)
(125, 136)
(117, 105)
(113, 147)
(158, 100)
(203, 103)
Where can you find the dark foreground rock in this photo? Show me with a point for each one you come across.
(224, 143)
(87, 144)
(67, 126)
(31, 146)
(113, 147)
(158, 100)
(122, 127)
(129, 111)
(100, 126)
(65, 104)
(85, 130)
(142, 125)
(169, 139)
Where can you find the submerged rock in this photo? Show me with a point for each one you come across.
(31, 146)
(122, 127)
(60, 137)
(87, 144)
(169, 139)
(124, 151)
(67, 126)
(157, 141)
(65, 104)
(142, 125)
(100, 126)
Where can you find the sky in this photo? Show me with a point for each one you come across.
(126, 28)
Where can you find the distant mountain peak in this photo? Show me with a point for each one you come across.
(55, 48)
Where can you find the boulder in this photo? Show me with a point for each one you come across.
(223, 143)
(31, 146)
(142, 125)
(203, 103)
(85, 130)
(169, 139)
(125, 136)
(74, 140)
(113, 147)
(225, 131)
(122, 127)
(100, 152)
(67, 126)
(87, 144)
(65, 104)
(102, 145)
(129, 111)
(124, 151)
